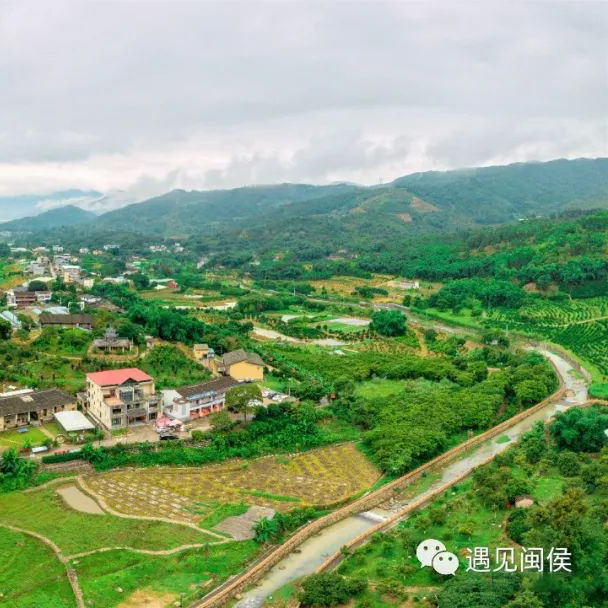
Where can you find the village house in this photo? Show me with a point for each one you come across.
(24, 407)
(20, 297)
(121, 398)
(197, 400)
(239, 364)
(71, 273)
(69, 321)
(202, 352)
(111, 343)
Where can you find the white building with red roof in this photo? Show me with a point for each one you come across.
(120, 398)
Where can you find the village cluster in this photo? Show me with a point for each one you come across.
(116, 399)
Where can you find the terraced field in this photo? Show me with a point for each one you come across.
(319, 477)
(581, 326)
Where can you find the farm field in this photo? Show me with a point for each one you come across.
(319, 477)
(580, 326)
(30, 574)
(159, 580)
(45, 512)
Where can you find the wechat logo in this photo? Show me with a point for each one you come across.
(432, 553)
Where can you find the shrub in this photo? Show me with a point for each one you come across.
(329, 589)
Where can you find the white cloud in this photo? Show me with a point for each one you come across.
(135, 98)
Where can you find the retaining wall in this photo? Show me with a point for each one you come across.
(224, 592)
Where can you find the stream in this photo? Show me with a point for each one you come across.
(314, 551)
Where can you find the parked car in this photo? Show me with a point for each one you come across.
(168, 437)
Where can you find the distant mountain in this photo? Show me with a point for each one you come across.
(494, 195)
(420, 202)
(180, 213)
(69, 215)
(25, 205)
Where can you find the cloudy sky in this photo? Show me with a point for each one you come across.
(132, 99)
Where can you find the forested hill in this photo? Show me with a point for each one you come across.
(69, 215)
(570, 252)
(423, 202)
(180, 213)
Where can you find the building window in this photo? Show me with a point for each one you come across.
(116, 421)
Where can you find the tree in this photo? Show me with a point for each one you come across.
(5, 330)
(525, 599)
(140, 281)
(580, 429)
(568, 464)
(36, 285)
(388, 323)
(329, 589)
(239, 398)
(220, 422)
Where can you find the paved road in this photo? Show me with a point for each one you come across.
(316, 550)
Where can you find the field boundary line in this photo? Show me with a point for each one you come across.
(148, 551)
(104, 505)
(70, 572)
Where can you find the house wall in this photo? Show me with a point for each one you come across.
(45, 415)
(96, 404)
(246, 371)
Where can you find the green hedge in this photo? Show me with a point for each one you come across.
(62, 457)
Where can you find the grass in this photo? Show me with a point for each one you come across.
(53, 428)
(74, 532)
(219, 512)
(31, 576)
(13, 439)
(547, 487)
(277, 497)
(191, 572)
(503, 439)
(380, 387)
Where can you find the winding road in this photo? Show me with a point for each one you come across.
(316, 550)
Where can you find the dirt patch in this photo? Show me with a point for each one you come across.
(242, 527)
(72, 466)
(422, 206)
(146, 598)
(405, 217)
(75, 498)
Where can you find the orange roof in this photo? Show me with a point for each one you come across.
(118, 376)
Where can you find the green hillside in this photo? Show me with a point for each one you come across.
(68, 215)
(426, 202)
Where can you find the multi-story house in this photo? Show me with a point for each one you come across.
(121, 398)
(197, 400)
(71, 273)
(20, 297)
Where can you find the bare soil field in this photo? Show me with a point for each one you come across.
(320, 477)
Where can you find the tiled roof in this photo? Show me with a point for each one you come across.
(236, 356)
(118, 376)
(69, 319)
(218, 385)
(35, 401)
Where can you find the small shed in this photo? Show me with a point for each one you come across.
(73, 422)
(524, 502)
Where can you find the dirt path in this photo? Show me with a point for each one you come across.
(146, 551)
(424, 349)
(71, 574)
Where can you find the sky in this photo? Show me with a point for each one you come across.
(133, 99)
